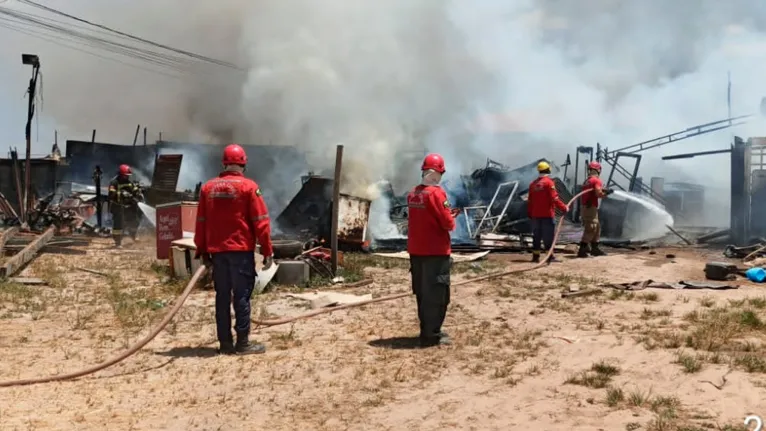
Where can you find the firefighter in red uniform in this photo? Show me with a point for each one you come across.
(231, 216)
(430, 222)
(591, 234)
(542, 201)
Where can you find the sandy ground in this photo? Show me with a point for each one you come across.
(523, 358)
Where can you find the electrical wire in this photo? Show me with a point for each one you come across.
(44, 28)
(130, 36)
(162, 59)
(57, 41)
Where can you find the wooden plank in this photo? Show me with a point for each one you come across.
(26, 255)
(581, 293)
(50, 249)
(28, 281)
(6, 235)
(335, 210)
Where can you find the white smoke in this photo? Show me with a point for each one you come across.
(390, 77)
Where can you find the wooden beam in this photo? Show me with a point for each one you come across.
(6, 235)
(581, 293)
(335, 211)
(26, 255)
(28, 281)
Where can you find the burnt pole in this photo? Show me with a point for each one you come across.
(34, 61)
(99, 205)
(335, 211)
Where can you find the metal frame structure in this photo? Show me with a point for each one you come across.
(611, 157)
(488, 210)
(748, 165)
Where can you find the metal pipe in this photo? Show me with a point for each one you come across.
(699, 153)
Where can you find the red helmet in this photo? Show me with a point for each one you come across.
(596, 166)
(124, 170)
(433, 161)
(234, 155)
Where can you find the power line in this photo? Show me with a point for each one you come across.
(162, 58)
(16, 19)
(58, 41)
(130, 36)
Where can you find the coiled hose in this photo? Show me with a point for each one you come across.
(274, 322)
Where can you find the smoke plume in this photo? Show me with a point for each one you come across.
(509, 80)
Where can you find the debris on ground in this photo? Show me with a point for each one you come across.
(645, 284)
(319, 299)
(456, 257)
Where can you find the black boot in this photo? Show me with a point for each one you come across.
(551, 260)
(595, 250)
(442, 339)
(535, 257)
(226, 348)
(244, 347)
(117, 241)
(583, 251)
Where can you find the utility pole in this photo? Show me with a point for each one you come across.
(99, 204)
(34, 61)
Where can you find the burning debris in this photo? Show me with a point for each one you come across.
(492, 200)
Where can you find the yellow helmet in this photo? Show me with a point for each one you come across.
(543, 166)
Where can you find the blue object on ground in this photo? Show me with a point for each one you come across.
(757, 275)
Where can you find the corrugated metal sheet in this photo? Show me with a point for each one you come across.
(84, 156)
(167, 168)
(353, 216)
(275, 168)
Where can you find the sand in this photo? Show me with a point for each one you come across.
(523, 357)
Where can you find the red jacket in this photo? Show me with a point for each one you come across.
(543, 199)
(429, 222)
(591, 199)
(231, 215)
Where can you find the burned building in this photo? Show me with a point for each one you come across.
(275, 168)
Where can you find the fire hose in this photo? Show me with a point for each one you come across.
(267, 323)
(543, 262)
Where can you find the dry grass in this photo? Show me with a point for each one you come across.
(731, 333)
(598, 376)
(326, 374)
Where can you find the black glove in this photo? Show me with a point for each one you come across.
(267, 262)
(206, 258)
(608, 192)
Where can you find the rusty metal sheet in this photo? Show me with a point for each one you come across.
(167, 169)
(353, 217)
(70, 203)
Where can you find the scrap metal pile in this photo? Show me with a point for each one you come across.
(493, 204)
(492, 201)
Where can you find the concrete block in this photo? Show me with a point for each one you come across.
(292, 273)
(178, 261)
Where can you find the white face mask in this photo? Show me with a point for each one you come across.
(234, 168)
(431, 177)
